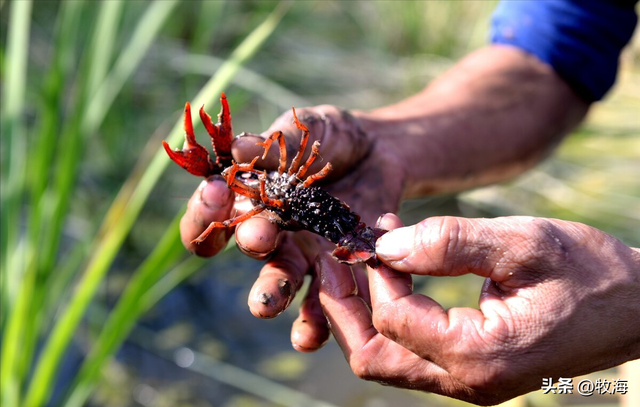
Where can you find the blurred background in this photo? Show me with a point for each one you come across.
(101, 305)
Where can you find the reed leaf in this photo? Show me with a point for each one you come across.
(79, 127)
(134, 301)
(118, 221)
(13, 279)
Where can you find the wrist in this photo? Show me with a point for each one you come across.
(489, 118)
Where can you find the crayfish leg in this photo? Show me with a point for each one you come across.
(312, 157)
(237, 185)
(239, 188)
(230, 173)
(318, 175)
(193, 157)
(263, 194)
(221, 133)
(295, 164)
(227, 223)
(277, 135)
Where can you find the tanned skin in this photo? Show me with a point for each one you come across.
(558, 295)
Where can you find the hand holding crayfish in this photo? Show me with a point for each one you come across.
(558, 295)
(361, 168)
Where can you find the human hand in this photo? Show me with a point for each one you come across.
(557, 302)
(362, 167)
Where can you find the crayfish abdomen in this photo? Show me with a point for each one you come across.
(317, 211)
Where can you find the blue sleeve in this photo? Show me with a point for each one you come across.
(580, 39)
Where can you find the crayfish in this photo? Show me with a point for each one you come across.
(287, 193)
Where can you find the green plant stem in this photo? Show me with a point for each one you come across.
(77, 129)
(43, 147)
(125, 210)
(12, 251)
(136, 299)
(98, 61)
(146, 31)
(127, 311)
(102, 43)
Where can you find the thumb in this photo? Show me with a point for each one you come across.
(451, 246)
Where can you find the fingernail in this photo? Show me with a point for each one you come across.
(320, 268)
(327, 280)
(395, 245)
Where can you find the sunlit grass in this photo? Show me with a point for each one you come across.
(89, 89)
(96, 88)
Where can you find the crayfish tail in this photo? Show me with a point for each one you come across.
(359, 246)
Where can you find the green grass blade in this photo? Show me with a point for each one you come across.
(124, 212)
(247, 79)
(13, 143)
(127, 311)
(126, 209)
(43, 146)
(210, 14)
(13, 175)
(50, 115)
(45, 150)
(42, 380)
(146, 31)
(102, 44)
(87, 120)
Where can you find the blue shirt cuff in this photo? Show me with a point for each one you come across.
(580, 39)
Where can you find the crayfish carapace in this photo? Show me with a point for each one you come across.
(287, 194)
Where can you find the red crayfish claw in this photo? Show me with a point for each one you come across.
(194, 157)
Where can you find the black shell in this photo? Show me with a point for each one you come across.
(315, 210)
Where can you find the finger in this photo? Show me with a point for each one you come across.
(257, 237)
(414, 321)
(408, 318)
(423, 326)
(212, 201)
(343, 141)
(348, 314)
(280, 278)
(370, 355)
(310, 330)
(389, 221)
(362, 282)
(245, 148)
(452, 246)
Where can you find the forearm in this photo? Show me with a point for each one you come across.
(492, 116)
